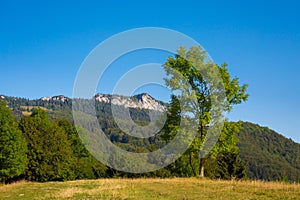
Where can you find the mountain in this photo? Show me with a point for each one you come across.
(141, 101)
(61, 106)
(268, 155)
(60, 98)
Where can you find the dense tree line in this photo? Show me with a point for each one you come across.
(261, 153)
(266, 154)
(36, 148)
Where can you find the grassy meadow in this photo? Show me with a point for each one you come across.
(176, 188)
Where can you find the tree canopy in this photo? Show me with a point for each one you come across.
(214, 90)
(12, 146)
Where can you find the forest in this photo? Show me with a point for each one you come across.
(37, 148)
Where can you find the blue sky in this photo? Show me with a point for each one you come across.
(43, 43)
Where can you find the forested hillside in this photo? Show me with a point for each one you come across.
(266, 154)
(269, 155)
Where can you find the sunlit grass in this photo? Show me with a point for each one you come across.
(176, 188)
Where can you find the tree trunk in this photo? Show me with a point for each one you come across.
(202, 160)
(201, 167)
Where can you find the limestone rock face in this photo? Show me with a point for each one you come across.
(61, 98)
(142, 101)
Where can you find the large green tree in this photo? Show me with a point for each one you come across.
(209, 84)
(50, 155)
(12, 146)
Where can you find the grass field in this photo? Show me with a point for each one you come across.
(177, 188)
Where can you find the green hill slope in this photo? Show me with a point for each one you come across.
(269, 155)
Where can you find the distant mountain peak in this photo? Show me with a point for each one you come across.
(144, 97)
(142, 101)
(61, 98)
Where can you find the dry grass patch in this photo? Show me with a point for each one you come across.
(175, 188)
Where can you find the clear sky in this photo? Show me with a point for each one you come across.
(43, 43)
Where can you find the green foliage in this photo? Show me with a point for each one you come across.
(50, 155)
(224, 161)
(226, 166)
(268, 155)
(207, 84)
(12, 146)
(84, 165)
(227, 141)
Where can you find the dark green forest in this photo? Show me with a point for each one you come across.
(40, 143)
(268, 155)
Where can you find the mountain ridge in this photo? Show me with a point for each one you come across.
(141, 101)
